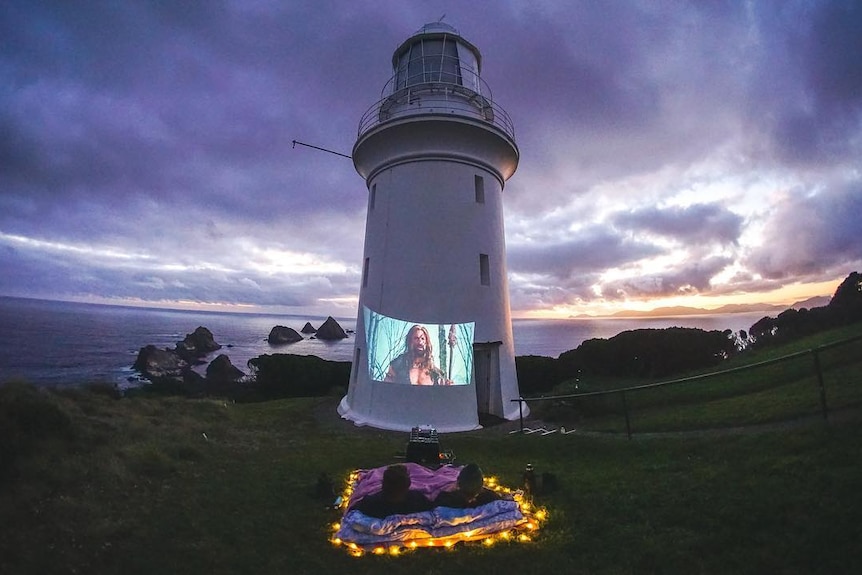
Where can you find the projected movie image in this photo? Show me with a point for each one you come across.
(418, 353)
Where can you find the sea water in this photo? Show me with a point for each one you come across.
(62, 343)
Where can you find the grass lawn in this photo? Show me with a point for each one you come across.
(170, 485)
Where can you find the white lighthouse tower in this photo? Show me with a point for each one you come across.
(434, 339)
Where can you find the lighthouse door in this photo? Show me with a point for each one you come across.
(486, 358)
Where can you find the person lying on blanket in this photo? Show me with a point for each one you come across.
(396, 497)
(469, 491)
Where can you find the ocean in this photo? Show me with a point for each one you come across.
(61, 343)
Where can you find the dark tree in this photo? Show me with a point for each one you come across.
(846, 304)
(844, 308)
(650, 352)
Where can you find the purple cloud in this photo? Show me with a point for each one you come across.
(163, 131)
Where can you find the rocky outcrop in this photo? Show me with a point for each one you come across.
(196, 345)
(221, 369)
(280, 335)
(175, 364)
(154, 363)
(308, 328)
(330, 330)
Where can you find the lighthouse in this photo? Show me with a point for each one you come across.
(434, 343)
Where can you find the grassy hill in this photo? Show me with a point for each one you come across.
(769, 385)
(90, 483)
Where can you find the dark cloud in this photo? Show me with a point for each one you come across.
(527, 295)
(163, 130)
(588, 251)
(811, 233)
(701, 223)
(808, 93)
(687, 278)
(88, 274)
(834, 58)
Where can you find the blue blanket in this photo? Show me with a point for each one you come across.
(493, 517)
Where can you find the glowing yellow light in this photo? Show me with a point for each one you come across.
(533, 516)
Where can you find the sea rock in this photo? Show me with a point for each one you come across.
(221, 369)
(330, 330)
(197, 344)
(280, 335)
(153, 362)
(308, 328)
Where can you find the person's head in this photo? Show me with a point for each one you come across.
(396, 482)
(470, 481)
(418, 341)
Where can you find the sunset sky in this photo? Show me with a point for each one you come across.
(671, 154)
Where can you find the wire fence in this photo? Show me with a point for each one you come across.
(815, 381)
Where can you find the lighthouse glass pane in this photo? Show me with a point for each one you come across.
(451, 73)
(401, 73)
(415, 73)
(429, 60)
(433, 59)
(416, 353)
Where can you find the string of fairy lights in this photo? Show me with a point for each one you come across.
(523, 532)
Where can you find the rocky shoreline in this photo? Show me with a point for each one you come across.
(173, 368)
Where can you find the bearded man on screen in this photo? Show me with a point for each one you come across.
(416, 364)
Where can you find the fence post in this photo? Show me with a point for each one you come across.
(822, 387)
(626, 411)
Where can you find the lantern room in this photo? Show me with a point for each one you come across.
(436, 54)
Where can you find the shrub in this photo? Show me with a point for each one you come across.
(285, 375)
(28, 416)
(537, 374)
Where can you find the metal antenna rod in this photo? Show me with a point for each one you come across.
(295, 142)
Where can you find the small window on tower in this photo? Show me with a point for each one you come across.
(484, 270)
(480, 189)
(372, 196)
(365, 273)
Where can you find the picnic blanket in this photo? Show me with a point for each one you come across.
(440, 522)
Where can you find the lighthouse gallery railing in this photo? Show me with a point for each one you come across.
(436, 94)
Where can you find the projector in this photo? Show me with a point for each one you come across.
(424, 447)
